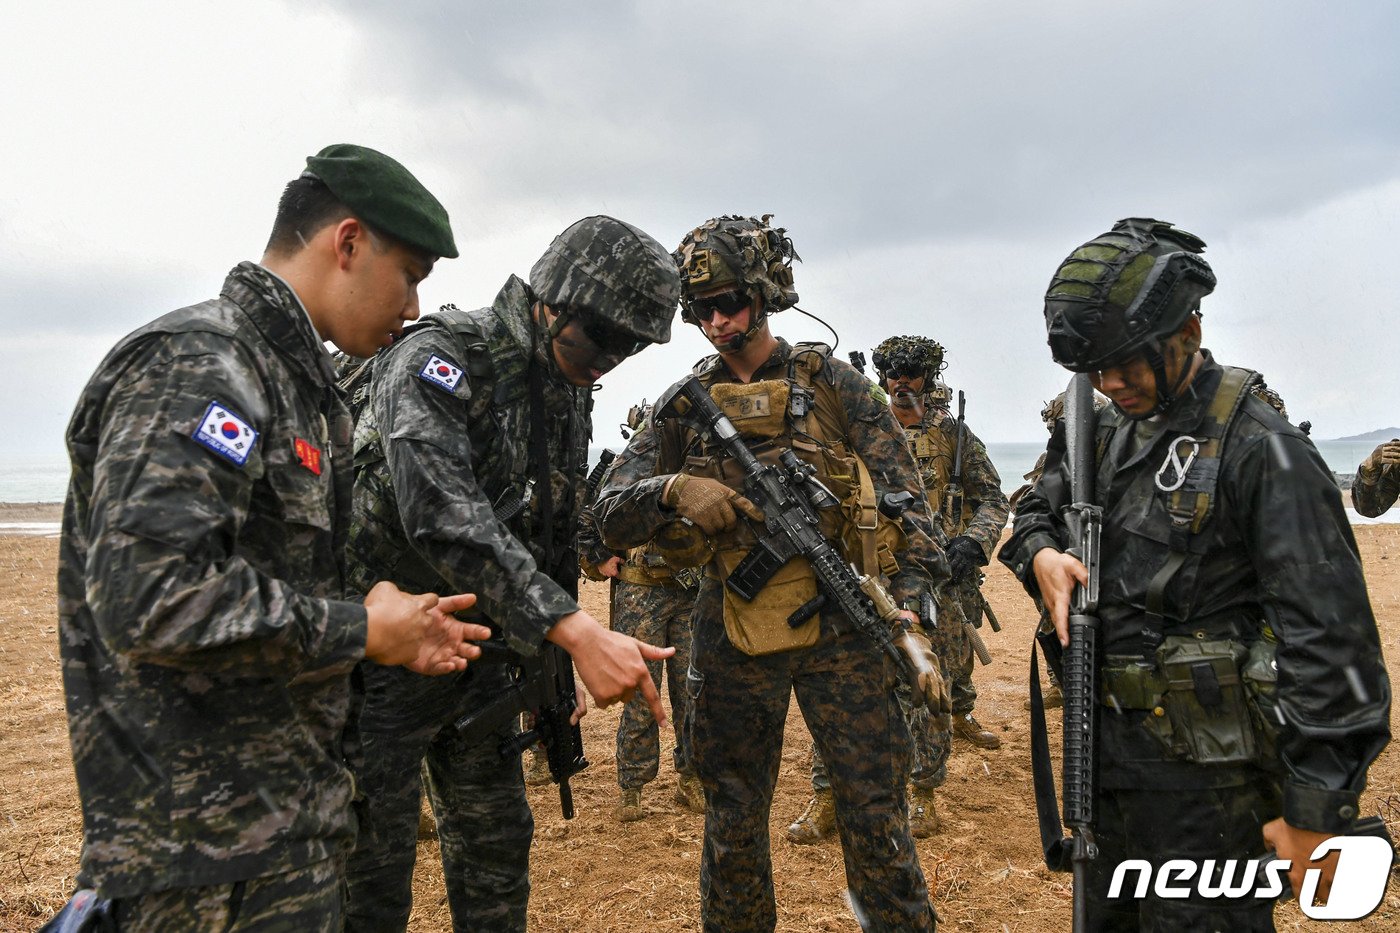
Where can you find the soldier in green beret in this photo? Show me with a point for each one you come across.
(206, 642)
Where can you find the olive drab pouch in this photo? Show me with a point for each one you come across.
(1205, 701)
(758, 409)
(1260, 673)
(760, 626)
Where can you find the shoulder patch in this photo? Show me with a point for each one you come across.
(879, 394)
(440, 372)
(226, 434)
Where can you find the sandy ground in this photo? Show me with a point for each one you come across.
(591, 874)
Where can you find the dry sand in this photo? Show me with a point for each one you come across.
(591, 874)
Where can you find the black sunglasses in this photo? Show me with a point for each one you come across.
(727, 304)
(615, 342)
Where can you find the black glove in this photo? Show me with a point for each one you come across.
(964, 556)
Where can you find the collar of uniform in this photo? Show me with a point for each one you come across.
(277, 311)
(512, 308)
(780, 356)
(1182, 418)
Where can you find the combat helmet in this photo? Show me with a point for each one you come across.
(612, 271)
(1119, 294)
(745, 253)
(918, 353)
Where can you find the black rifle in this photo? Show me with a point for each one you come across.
(595, 476)
(543, 687)
(953, 493)
(1083, 520)
(791, 499)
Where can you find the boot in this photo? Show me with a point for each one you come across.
(1052, 696)
(817, 822)
(690, 793)
(538, 771)
(923, 818)
(629, 805)
(970, 729)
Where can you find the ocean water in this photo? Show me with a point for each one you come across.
(46, 479)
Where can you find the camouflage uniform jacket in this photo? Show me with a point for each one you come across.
(630, 510)
(433, 453)
(1277, 550)
(206, 657)
(985, 507)
(1372, 492)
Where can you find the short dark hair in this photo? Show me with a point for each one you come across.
(306, 206)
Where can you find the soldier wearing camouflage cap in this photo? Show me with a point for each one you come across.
(747, 660)
(471, 450)
(1231, 594)
(206, 635)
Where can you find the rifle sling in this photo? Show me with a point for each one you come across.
(1053, 841)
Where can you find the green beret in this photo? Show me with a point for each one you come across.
(385, 195)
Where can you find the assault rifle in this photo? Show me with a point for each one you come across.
(595, 476)
(953, 494)
(543, 687)
(791, 499)
(1084, 520)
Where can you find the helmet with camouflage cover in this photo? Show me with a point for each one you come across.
(613, 271)
(1117, 296)
(917, 353)
(745, 253)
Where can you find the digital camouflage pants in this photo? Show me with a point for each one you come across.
(657, 615)
(483, 818)
(845, 689)
(302, 901)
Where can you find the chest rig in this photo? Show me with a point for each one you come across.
(1185, 481)
(803, 412)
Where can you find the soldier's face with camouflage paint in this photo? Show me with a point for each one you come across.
(377, 292)
(585, 349)
(904, 389)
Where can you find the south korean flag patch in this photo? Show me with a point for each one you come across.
(441, 373)
(226, 434)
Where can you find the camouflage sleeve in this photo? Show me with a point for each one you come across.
(165, 581)
(629, 509)
(982, 490)
(446, 514)
(1373, 492)
(880, 442)
(591, 550)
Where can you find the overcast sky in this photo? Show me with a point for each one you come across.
(932, 161)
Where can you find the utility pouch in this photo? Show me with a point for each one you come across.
(760, 625)
(1205, 703)
(1260, 675)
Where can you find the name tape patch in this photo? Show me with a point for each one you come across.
(226, 434)
(441, 373)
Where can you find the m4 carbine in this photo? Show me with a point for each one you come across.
(791, 499)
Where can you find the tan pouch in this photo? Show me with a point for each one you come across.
(760, 626)
(758, 409)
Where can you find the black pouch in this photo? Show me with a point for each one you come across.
(85, 912)
(1205, 701)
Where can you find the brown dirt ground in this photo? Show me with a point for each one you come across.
(591, 874)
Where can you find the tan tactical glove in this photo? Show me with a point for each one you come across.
(928, 688)
(708, 503)
(1387, 454)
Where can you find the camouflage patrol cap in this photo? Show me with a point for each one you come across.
(919, 353)
(385, 195)
(1122, 290)
(746, 253)
(613, 270)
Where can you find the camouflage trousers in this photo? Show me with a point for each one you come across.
(845, 689)
(1156, 825)
(657, 615)
(961, 659)
(931, 746)
(483, 818)
(301, 901)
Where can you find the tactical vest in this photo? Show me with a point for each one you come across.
(805, 414)
(499, 418)
(930, 445)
